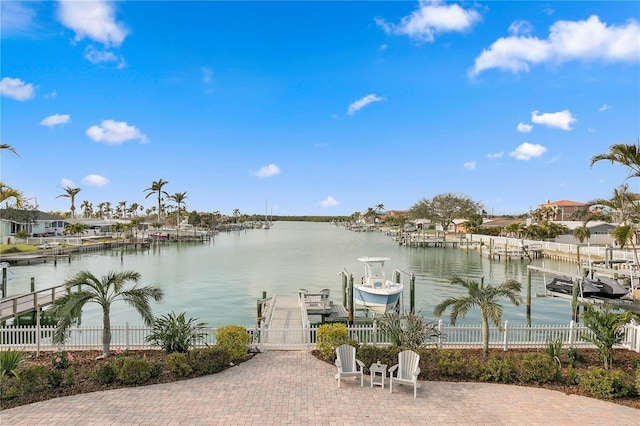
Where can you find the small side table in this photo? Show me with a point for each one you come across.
(377, 368)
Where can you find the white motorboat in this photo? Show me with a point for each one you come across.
(375, 292)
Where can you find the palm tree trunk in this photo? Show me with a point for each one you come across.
(106, 331)
(485, 336)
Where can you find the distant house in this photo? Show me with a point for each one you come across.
(33, 222)
(563, 209)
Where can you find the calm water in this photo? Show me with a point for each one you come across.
(219, 281)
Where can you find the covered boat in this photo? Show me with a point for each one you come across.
(564, 285)
(608, 287)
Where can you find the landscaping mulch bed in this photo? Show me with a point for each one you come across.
(84, 362)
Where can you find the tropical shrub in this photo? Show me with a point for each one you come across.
(330, 336)
(451, 363)
(61, 360)
(607, 384)
(370, 354)
(105, 374)
(133, 371)
(408, 330)
(607, 329)
(209, 360)
(70, 377)
(9, 362)
(177, 364)
(574, 356)
(554, 348)
(538, 368)
(55, 378)
(234, 339)
(497, 370)
(33, 379)
(175, 333)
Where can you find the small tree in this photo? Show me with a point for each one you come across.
(484, 297)
(408, 330)
(174, 333)
(607, 329)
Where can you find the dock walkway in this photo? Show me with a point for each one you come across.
(285, 316)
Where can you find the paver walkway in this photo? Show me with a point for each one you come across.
(296, 388)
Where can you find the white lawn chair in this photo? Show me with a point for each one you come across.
(348, 365)
(408, 371)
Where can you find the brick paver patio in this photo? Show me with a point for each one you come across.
(295, 388)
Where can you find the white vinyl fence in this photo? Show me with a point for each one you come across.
(126, 337)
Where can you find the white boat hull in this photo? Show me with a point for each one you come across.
(379, 302)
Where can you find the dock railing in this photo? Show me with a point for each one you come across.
(128, 337)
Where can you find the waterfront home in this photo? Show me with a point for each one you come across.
(33, 222)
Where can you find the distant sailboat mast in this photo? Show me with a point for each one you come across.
(266, 218)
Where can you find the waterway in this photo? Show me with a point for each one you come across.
(219, 281)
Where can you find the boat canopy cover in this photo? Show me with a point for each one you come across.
(373, 259)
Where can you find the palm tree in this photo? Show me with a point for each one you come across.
(156, 188)
(484, 297)
(236, 214)
(101, 209)
(582, 233)
(627, 155)
(110, 288)
(179, 198)
(87, 208)
(122, 205)
(7, 192)
(71, 193)
(8, 148)
(622, 205)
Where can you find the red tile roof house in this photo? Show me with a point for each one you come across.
(565, 208)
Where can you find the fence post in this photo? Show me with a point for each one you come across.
(38, 331)
(572, 333)
(374, 333)
(506, 332)
(439, 332)
(126, 335)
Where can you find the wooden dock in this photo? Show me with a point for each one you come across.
(11, 307)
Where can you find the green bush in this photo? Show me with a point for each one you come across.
(538, 368)
(370, 354)
(330, 336)
(176, 333)
(133, 371)
(61, 360)
(33, 379)
(55, 378)
(607, 384)
(9, 362)
(234, 339)
(177, 364)
(408, 330)
(451, 363)
(572, 376)
(497, 370)
(209, 360)
(105, 374)
(70, 378)
(636, 382)
(11, 392)
(155, 369)
(575, 357)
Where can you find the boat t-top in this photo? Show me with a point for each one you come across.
(375, 292)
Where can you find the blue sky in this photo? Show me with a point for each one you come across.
(321, 108)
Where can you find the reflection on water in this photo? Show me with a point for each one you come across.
(219, 281)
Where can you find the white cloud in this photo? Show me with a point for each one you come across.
(527, 151)
(16, 89)
(115, 132)
(604, 107)
(495, 155)
(207, 75)
(16, 17)
(470, 165)
(520, 27)
(96, 56)
(51, 95)
(92, 19)
(64, 183)
(95, 180)
(267, 171)
(361, 103)
(561, 120)
(586, 40)
(431, 18)
(524, 128)
(328, 202)
(56, 120)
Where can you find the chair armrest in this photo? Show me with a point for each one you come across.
(337, 363)
(417, 372)
(392, 369)
(360, 363)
